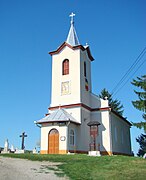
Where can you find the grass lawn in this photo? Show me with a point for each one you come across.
(96, 168)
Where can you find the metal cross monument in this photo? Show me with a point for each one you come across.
(72, 17)
(23, 136)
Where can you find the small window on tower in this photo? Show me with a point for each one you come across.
(65, 67)
(85, 69)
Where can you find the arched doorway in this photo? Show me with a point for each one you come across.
(53, 142)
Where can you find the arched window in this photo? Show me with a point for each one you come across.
(72, 137)
(65, 67)
(85, 69)
(116, 136)
(122, 136)
(53, 131)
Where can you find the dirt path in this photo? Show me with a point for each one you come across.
(22, 169)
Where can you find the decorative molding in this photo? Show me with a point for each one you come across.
(78, 151)
(65, 88)
(90, 109)
(73, 48)
(80, 105)
(44, 152)
(63, 151)
(47, 114)
(110, 153)
(62, 138)
(60, 152)
(118, 153)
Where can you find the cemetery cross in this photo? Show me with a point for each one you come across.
(23, 136)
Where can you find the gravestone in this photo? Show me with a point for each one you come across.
(6, 147)
(34, 151)
(144, 156)
(12, 149)
(19, 151)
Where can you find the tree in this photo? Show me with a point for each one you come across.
(114, 104)
(140, 104)
(142, 142)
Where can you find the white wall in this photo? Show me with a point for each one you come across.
(73, 77)
(84, 131)
(73, 127)
(96, 102)
(44, 136)
(85, 95)
(121, 141)
(103, 137)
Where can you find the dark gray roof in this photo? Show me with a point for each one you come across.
(93, 123)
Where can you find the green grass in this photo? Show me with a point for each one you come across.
(82, 167)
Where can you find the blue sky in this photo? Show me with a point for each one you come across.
(115, 31)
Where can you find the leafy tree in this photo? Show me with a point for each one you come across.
(114, 104)
(140, 104)
(142, 142)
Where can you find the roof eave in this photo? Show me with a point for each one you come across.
(73, 48)
(44, 122)
(121, 117)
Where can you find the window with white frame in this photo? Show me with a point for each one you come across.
(116, 137)
(122, 136)
(72, 137)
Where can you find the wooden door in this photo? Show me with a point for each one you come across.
(53, 144)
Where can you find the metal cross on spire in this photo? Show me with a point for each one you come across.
(72, 17)
(72, 38)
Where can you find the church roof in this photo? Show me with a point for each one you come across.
(59, 115)
(72, 38)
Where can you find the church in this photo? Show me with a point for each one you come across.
(78, 121)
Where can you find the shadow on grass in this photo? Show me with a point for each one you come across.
(85, 167)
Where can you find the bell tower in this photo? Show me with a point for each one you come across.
(79, 121)
(71, 71)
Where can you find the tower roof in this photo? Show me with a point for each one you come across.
(72, 38)
(72, 41)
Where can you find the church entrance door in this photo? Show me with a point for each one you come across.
(53, 144)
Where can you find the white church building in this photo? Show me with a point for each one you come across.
(78, 121)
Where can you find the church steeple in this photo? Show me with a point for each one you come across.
(72, 38)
